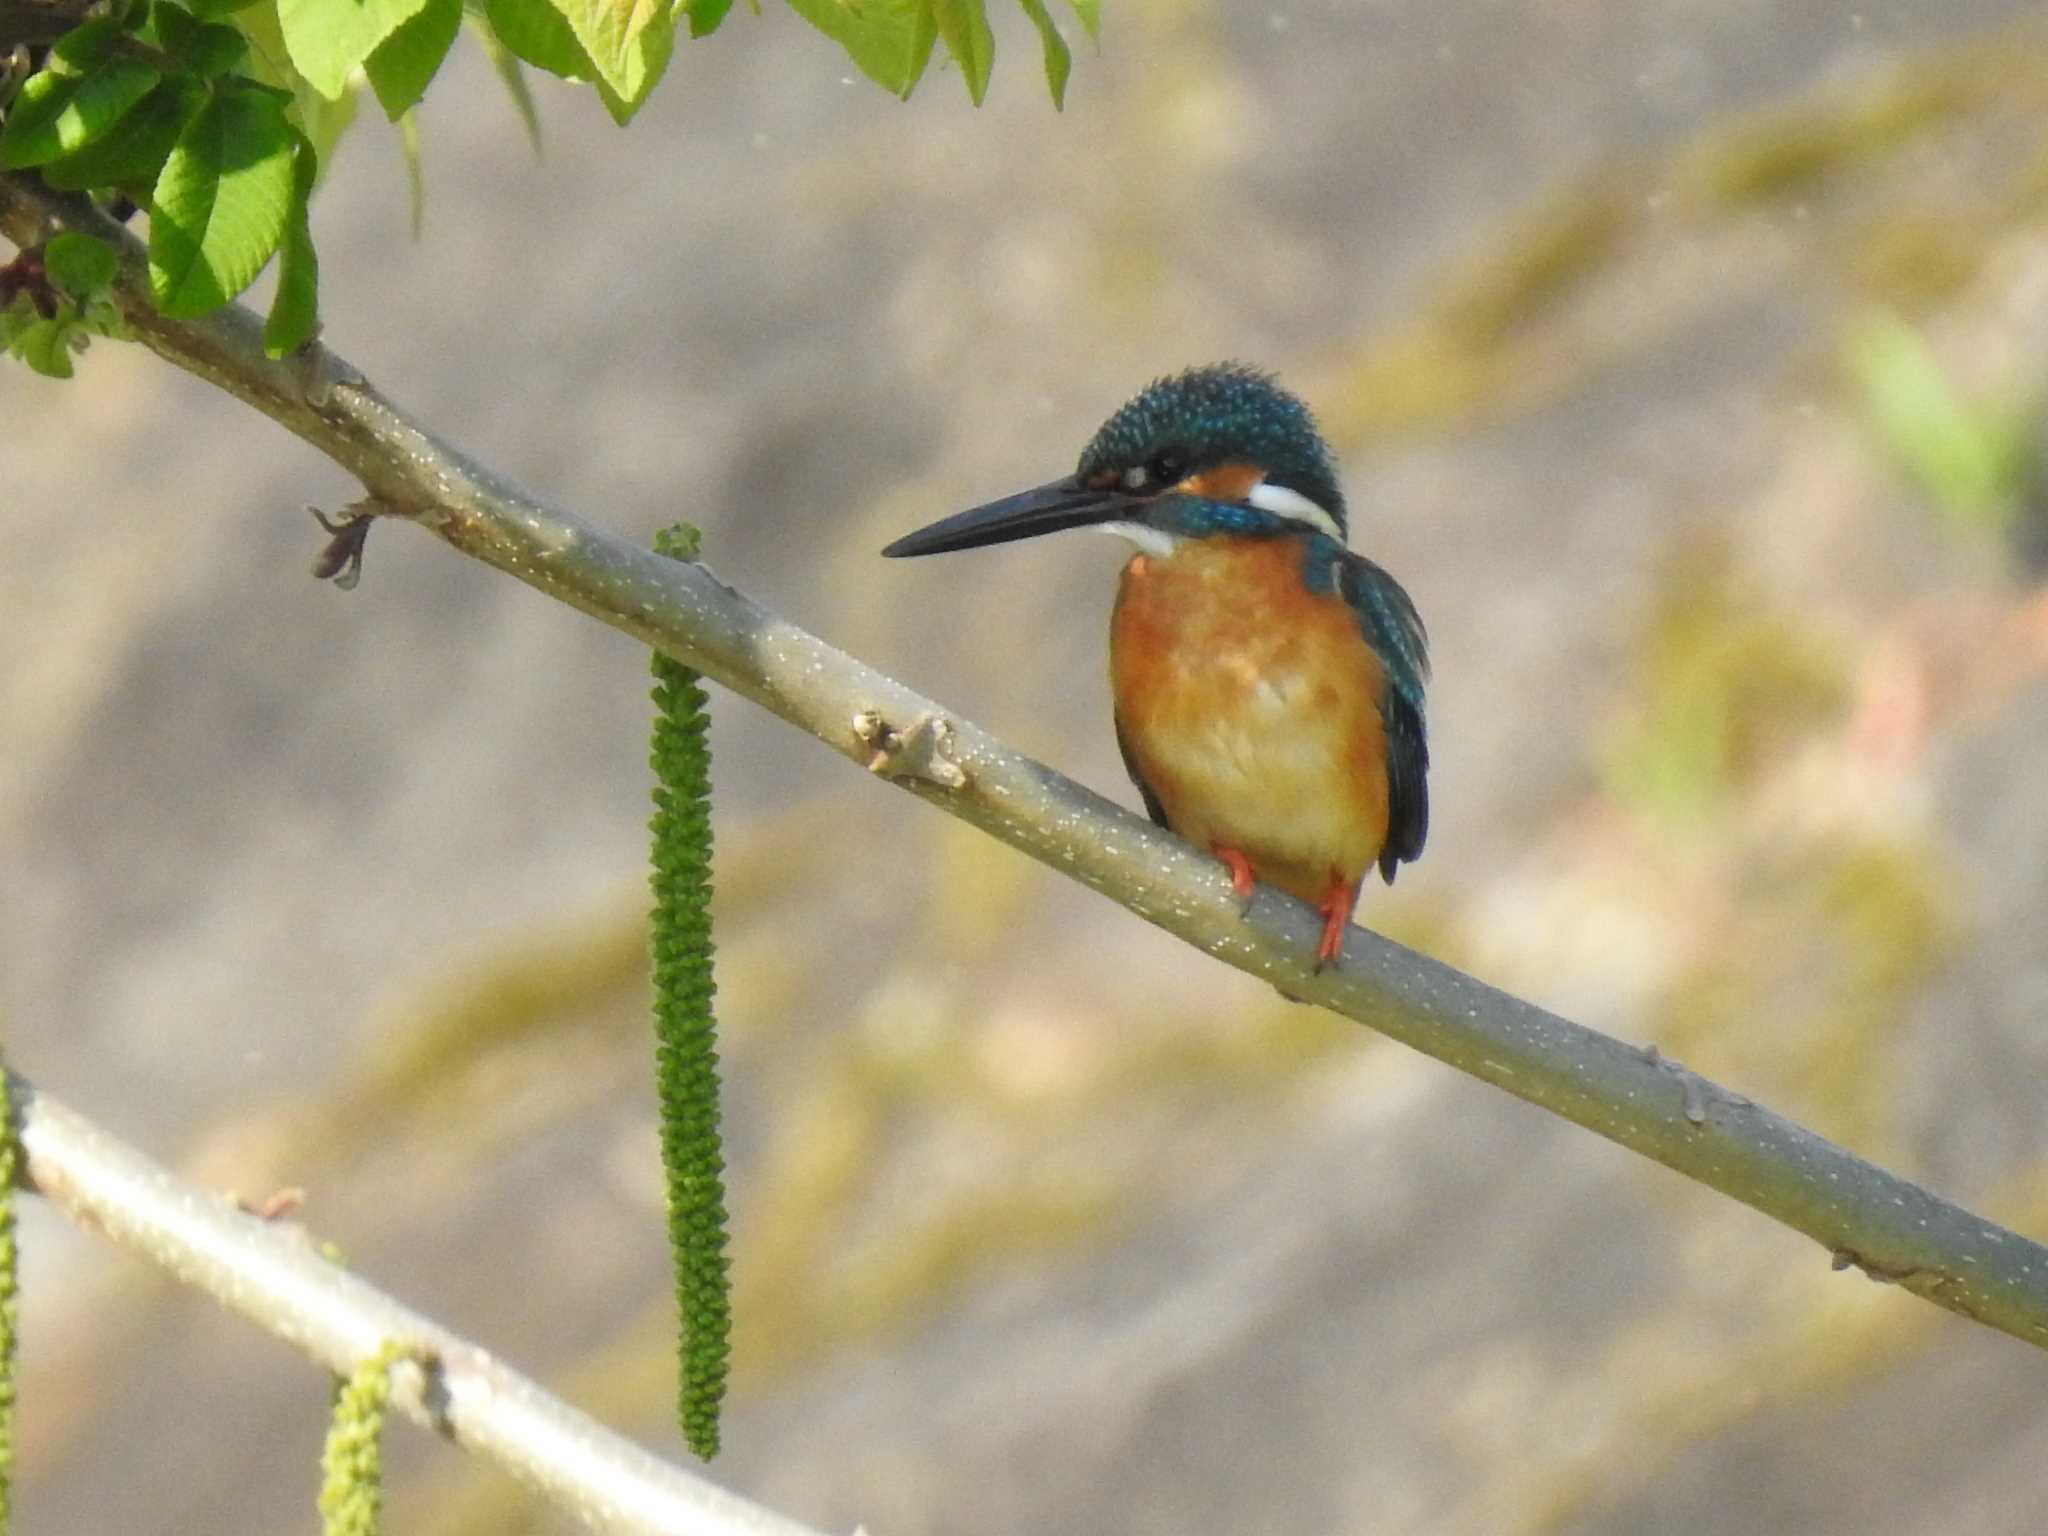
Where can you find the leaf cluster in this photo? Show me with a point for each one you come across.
(53, 298)
(153, 102)
(216, 116)
(892, 40)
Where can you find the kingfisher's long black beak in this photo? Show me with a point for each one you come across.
(1047, 509)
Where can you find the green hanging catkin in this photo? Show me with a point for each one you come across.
(686, 1045)
(352, 1465)
(10, 1306)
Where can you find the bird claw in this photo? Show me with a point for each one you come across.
(1243, 883)
(922, 751)
(1336, 908)
(1331, 950)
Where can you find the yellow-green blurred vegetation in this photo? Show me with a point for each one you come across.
(952, 1126)
(989, 1099)
(1532, 312)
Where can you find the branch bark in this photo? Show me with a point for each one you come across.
(28, 21)
(276, 1278)
(1861, 1214)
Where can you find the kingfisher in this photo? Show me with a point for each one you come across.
(1267, 682)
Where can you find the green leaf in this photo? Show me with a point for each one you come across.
(705, 15)
(46, 346)
(209, 10)
(964, 26)
(324, 118)
(406, 60)
(295, 310)
(101, 316)
(171, 27)
(541, 35)
(214, 50)
(221, 204)
(84, 48)
(15, 319)
(628, 42)
(889, 41)
(1090, 14)
(658, 46)
(57, 113)
(329, 39)
(132, 153)
(511, 76)
(1059, 62)
(79, 264)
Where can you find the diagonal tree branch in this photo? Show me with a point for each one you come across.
(279, 1280)
(1861, 1214)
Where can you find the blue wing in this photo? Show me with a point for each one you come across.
(1392, 627)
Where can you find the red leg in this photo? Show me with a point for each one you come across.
(1336, 908)
(1240, 867)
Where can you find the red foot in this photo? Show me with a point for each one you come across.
(1241, 878)
(1336, 908)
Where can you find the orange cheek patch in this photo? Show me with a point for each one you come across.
(1226, 482)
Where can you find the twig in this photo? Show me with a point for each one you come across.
(273, 1276)
(1891, 1227)
(25, 21)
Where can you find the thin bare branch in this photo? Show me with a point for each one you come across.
(276, 1278)
(26, 21)
(1860, 1214)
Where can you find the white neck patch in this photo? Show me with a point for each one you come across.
(1281, 500)
(1148, 540)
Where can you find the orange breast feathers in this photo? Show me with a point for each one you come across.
(1251, 707)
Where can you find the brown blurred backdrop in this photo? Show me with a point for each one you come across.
(1634, 322)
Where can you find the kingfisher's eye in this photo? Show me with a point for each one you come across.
(1163, 469)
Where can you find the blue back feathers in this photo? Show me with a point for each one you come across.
(1392, 626)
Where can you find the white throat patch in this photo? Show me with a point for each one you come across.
(1290, 503)
(1151, 541)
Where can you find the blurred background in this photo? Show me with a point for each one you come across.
(1685, 361)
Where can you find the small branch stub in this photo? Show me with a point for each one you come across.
(278, 1205)
(923, 751)
(1691, 1085)
(1849, 1258)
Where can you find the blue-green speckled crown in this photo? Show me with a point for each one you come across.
(1222, 414)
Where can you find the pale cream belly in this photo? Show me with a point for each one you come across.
(1269, 778)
